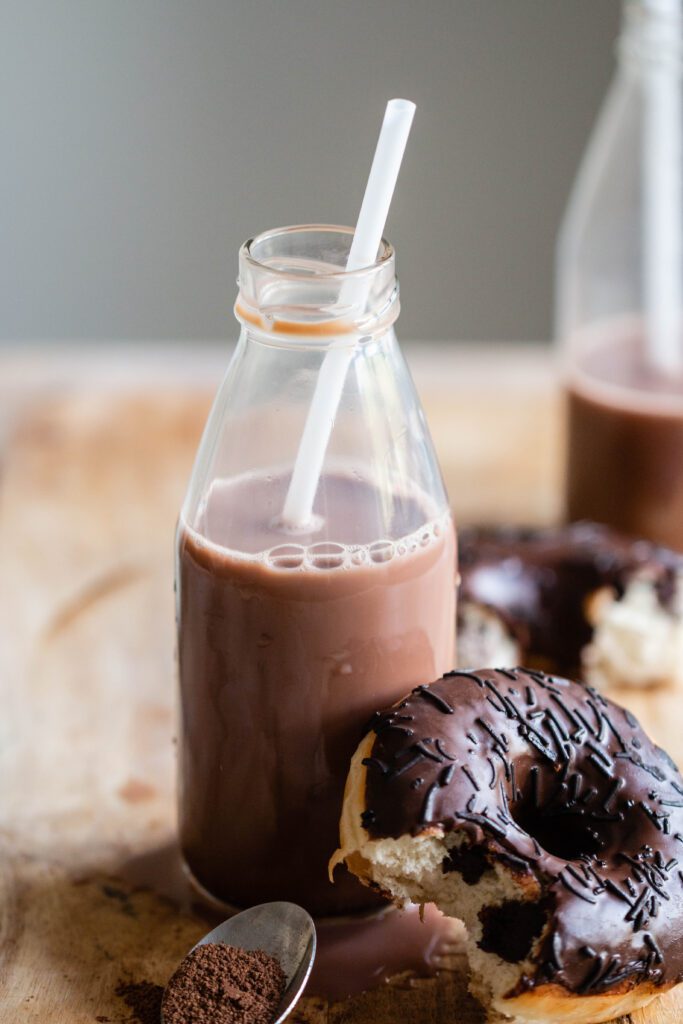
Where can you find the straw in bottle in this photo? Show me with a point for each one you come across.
(663, 195)
(298, 509)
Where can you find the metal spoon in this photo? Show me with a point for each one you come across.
(286, 932)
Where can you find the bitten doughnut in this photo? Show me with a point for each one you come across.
(541, 815)
(579, 600)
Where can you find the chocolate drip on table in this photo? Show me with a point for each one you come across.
(553, 780)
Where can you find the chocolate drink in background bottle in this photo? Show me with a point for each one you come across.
(288, 640)
(620, 290)
(625, 464)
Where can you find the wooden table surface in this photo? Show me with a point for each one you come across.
(96, 451)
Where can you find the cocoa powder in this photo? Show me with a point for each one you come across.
(143, 999)
(221, 984)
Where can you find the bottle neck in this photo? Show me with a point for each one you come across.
(651, 35)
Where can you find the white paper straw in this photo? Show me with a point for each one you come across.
(298, 508)
(663, 200)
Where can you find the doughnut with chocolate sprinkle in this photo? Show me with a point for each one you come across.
(556, 811)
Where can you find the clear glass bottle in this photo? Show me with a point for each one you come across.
(288, 640)
(620, 289)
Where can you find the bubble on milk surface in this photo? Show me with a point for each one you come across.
(359, 555)
(286, 556)
(381, 550)
(327, 555)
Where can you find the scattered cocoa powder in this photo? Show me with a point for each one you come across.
(221, 984)
(143, 999)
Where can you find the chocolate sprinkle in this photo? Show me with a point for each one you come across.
(438, 701)
(581, 895)
(442, 750)
(428, 805)
(423, 749)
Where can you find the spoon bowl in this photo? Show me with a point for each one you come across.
(286, 932)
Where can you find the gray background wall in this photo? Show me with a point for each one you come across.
(143, 140)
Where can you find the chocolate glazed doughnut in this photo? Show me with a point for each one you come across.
(541, 814)
(578, 599)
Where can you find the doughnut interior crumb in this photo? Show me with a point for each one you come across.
(420, 870)
(636, 642)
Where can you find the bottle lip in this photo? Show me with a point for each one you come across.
(293, 282)
(246, 252)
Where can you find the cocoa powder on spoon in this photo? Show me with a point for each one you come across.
(221, 984)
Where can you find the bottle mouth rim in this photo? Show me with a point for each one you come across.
(272, 264)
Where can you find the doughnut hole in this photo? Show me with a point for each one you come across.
(567, 836)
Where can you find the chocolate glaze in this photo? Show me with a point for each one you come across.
(555, 781)
(537, 580)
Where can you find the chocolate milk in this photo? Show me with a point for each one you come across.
(625, 459)
(286, 646)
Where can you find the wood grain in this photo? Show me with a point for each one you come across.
(90, 893)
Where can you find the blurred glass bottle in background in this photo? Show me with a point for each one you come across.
(620, 291)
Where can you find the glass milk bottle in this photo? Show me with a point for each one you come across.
(620, 289)
(289, 637)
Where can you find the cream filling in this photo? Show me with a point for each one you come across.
(636, 642)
